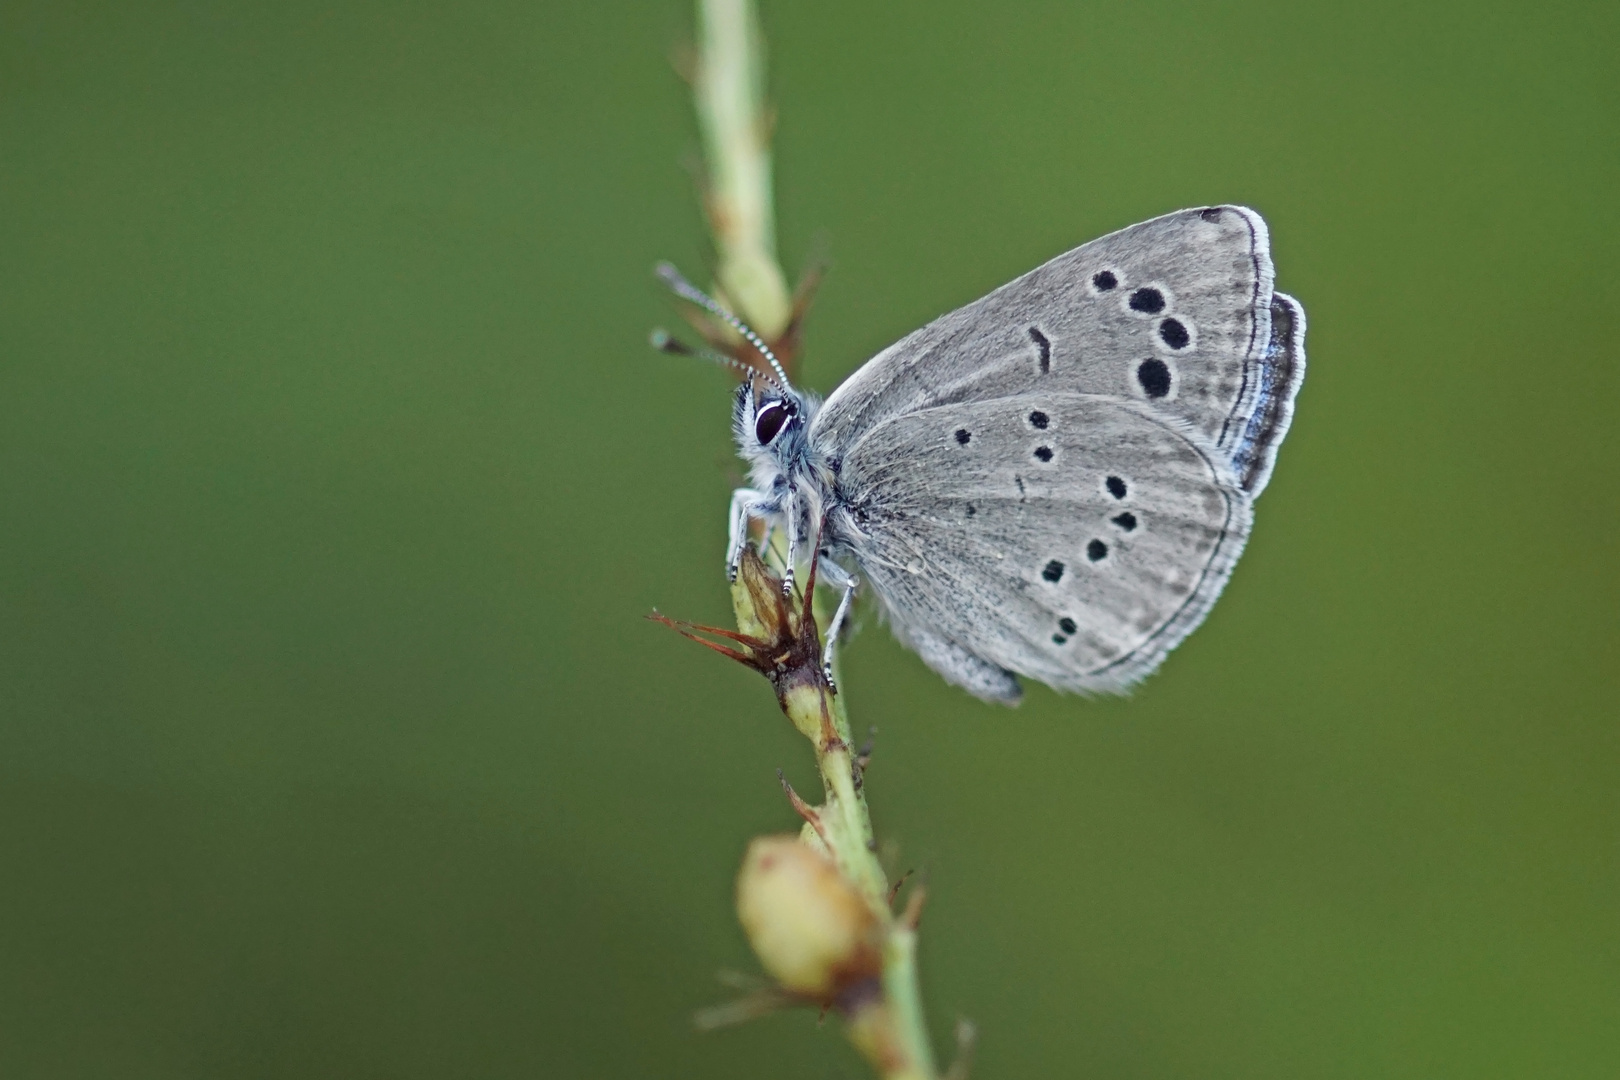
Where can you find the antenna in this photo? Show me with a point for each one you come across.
(665, 342)
(687, 291)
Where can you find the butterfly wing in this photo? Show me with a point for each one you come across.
(1177, 313)
(1072, 538)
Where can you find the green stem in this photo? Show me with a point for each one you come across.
(885, 1020)
(889, 1026)
(905, 997)
(729, 88)
(819, 715)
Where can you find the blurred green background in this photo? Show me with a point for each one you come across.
(336, 477)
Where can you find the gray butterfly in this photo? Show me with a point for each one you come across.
(1056, 480)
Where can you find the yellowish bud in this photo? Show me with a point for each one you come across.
(813, 933)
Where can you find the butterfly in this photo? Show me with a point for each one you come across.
(1054, 481)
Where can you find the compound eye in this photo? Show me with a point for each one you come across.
(769, 421)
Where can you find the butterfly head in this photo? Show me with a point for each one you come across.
(771, 419)
(771, 424)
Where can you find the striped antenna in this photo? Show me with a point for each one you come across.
(687, 291)
(665, 342)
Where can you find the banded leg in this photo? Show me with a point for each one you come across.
(746, 504)
(838, 577)
(791, 513)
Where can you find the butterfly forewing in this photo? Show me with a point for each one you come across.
(1174, 313)
(1069, 537)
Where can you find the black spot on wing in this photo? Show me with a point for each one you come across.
(1116, 487)
(1039, 420)
(1174, 334)
(1067, 625)
(963, 435)
(1104, 280)
(1053, 572)
(1154, 378)
(1096, 551)
(1126, 521)
(1044, 453)
(1147, 301)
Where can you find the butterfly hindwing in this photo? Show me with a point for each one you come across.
(1073, 538)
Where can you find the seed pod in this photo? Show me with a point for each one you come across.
(813, 933)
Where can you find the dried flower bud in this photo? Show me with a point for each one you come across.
(813, 933)
(778, 637)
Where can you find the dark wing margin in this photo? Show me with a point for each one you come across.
(1281, 371)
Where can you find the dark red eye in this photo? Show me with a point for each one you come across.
(769, 420)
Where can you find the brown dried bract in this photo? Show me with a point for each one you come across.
(784, 644)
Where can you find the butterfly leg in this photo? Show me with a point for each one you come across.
(837, 576)
(746, 505)
(765, 538)
(791, 513)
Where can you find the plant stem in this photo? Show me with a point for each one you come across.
(884, 1015)
(886, 1021)
(729, 87)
